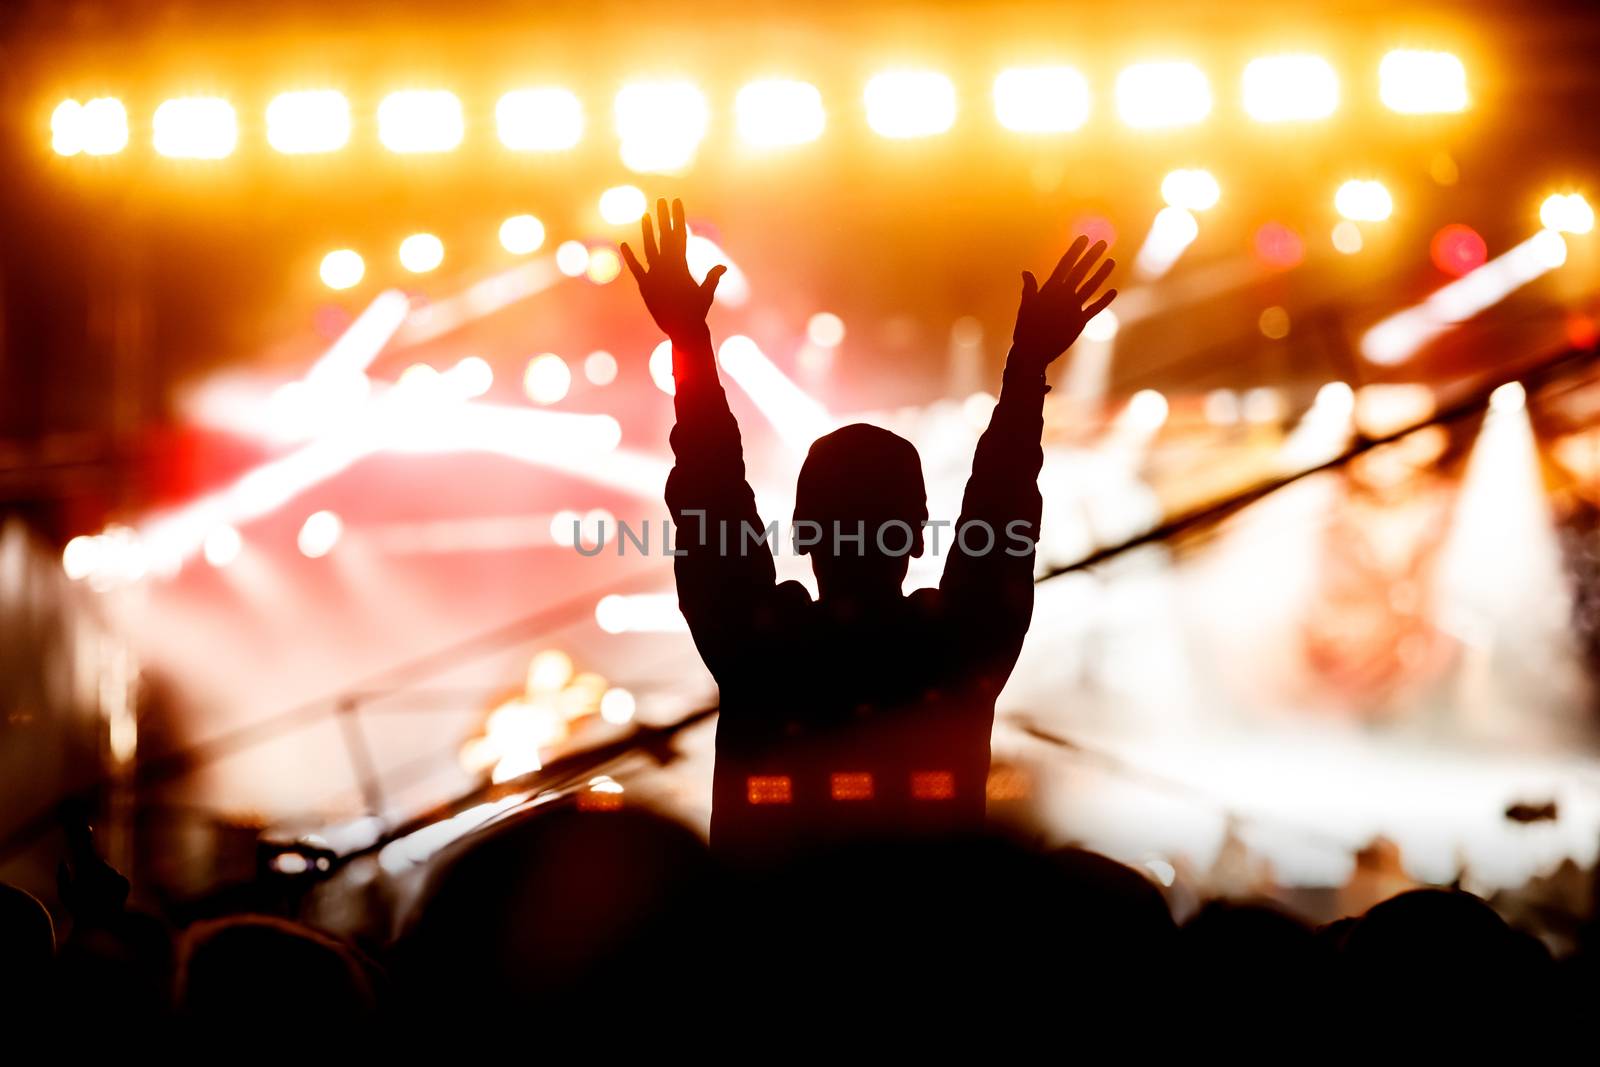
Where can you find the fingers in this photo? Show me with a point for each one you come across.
(634, 267)
(649, 231)
(1095, 281)
(1099, 305)
(1030, 286)
(1080, 268)
(713, 276)
(664, 222)
(680, 228)
(1068, 260)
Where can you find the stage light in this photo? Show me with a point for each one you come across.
(1146, 410)
(910, 103)
(798, 419)
(640, 613)
(1402, 334)
(1508, 397)
(1569, 213)
(81, 557)
(600, 367)
(421, 252)
(1156, 95)
(539, 120)
(1103, 327)
(1363, 201)
(660, 124)
(549, 672)
(1290, 88)
(617, 706)
(572, 258)
(1347, 237)
(342, 268)
(98, 127)
(661, 368)
(622, 204)
(472, 377)
(1193, 190)
(521, 234)
(604, 266)
(777, 112)
(1041, 99)
(420, 120)
(1416, 82)
(1457, 249)
(195, 127)
(825, 330)
(223, 545)
(309, 121)
(547, 379)
(320, 532)
(1173, 230)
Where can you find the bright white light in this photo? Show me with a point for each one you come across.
(1508, 397)
(661, 368)
(421, 252)
(472, 377)
(617, 706)
(420, 120)
(539, 120)
(703, 253)
(910, 103)
(622, 204)
(1041, 99)
(1156, 95)
(1290, 88)
(572, 258)
(81, 557)
(1147, 410)
(1416, 82)
(1192, 190)
(342, 268)
(825, 329)
(549, 671)
(195, 127)
(320, 532)
(660, 124)
(1347, 237)
(1567, 213)
(1363, 201)
(521, 234)
(1173, 230)
(547, 379)
(604, 266)
(1402, 334)
(797, 418)
(97, 128)
(640, 613)
(776, 112)
(1103, 327)
(312, 120)
(600, 368)
(223, 545)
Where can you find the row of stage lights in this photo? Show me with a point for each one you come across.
(1358, 200)
(660, 124)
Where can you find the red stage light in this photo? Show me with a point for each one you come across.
(933, 785)
(1279, 247)
(853, 785)
(1582, 331)
(769, 789)
(1457, 249)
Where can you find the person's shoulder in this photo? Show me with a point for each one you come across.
(792, 594)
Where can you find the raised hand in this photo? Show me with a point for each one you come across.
(675, 300)
(1052, 315)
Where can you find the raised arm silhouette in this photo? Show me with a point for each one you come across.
(866, 710)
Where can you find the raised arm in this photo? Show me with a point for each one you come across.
(723, 573)
(988, 575)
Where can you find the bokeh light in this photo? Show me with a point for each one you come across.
(1415, 82)
(308, 121)
(1278, 246)
(1567, 213)
(1041, 99)
(600, 367)
(1193, 190)
(572, 258)
(1163, 94)
(622, 204)
(343, 268)
(98, 127)
(420, 120)
(195, 127)
(604, 266)
(544, 119)
(661, 368)
(776, 112)
(1290, 88)
(1346, 237)
(421, 253)
(547, 379)
(904, 104)
(825, 329)
(660, 124)
(1457, 249)
(522, 234)
(222, 545)
(319, 534)
(1363, 201)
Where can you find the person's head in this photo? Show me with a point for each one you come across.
(245, 968)
(27, 939)
(860, 480)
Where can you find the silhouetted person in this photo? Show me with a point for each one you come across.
(866, 709)
(27, 952)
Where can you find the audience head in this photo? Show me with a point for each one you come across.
(242, 970)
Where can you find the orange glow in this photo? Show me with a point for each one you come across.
(933, 785)
(851, 785)
(769, 789)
